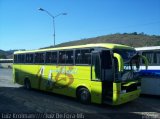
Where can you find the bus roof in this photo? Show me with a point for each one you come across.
(105, 45)
(148, 48)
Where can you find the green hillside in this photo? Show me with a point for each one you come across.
(6, 54)
(2, 54)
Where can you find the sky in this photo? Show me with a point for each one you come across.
(23, 26)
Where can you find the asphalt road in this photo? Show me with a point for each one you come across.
(15, 98)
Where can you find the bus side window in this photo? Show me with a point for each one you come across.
(149, 56)
(48, 57)
(29, 58)
(86, 56)
(54, 57)
(83, 56)
(77, 57)
(15, 58)
(69, 57)
(62, 57)
(21, 58)
(51, 57)
(155, 58)
(39, 57)
(158, 57)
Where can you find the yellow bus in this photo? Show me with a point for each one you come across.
(97, 73)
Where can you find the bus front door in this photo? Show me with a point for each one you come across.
(107, 76)
(96, 84)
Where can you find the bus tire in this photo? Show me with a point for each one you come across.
(27, 84)
(84, 96)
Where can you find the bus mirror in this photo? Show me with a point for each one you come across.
(145, 61)
(120, 62)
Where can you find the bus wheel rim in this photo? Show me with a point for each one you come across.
(84, 95)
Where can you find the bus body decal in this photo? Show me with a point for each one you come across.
(53, 83)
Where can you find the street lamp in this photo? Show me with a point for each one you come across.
(53, 17)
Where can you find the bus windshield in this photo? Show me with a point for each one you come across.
(131, 64)
(126, 54)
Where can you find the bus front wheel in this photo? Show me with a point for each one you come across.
(84, 96)
(27, 84)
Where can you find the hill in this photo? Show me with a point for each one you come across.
(6, 54)
(130, 39)
(2, 54)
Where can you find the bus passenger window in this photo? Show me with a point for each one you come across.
(158, 57)
(19, 58)
(62, 57)
(15, 58)
(29, 58)
(83, 56)
(69, 57)
(149, 56)
(22, 58)
(48, 57)
(39, 58)
(77, 57)
(51, 57)
(54, 57)
(86, 57)
(155, 58)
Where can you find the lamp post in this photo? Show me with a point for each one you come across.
(53, 17)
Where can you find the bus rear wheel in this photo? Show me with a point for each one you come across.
(27, 84)
(84, 96)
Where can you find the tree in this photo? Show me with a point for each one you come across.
(134, 33)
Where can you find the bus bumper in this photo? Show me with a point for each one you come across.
(125, 97)
(119, 98)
